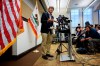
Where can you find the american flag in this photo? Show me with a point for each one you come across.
(10, 23)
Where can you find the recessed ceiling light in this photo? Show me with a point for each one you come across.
(76, 4)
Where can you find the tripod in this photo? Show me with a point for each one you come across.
(69, 56)
(59, 49)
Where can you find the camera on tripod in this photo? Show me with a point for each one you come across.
(63, 24)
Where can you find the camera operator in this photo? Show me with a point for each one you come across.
(91, 36)
(79, 31)
(47, 20)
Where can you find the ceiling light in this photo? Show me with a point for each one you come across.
(76, 4)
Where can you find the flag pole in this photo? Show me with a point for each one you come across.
(36, 26)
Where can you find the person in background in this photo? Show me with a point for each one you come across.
(96, 25)
(91, 36)
(78, 31)
(98, 29)
(47, 20)
(91, 26)
(77, 27)
(79, 37)
(87, 23)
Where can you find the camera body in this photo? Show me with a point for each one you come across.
(63, 24)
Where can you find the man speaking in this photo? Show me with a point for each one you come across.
(46, 30)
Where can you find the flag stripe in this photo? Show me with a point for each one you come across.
(14, 13)
(5, 41)
(33, 27)
(15, 9)
(7, 25)
(11, 12)
(2, 44)
(18, 2)
(1, 41)
(2, 38)
(5, 29)
(18, 8)
(34, 20)
(9, 20)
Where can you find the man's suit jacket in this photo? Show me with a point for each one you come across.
(45, 27)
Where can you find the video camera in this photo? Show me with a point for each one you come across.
(63, 24)
(63, 20)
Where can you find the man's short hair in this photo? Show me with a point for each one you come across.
(51, 7)
(98, 27)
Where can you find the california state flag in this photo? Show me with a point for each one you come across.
(35, 23)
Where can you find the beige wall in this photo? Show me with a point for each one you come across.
(40, 8)
(26, 10)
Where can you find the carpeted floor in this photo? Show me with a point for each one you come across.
(80, 59)
(26, 60)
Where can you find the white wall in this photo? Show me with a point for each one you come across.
(95, 13)
(25, 41)
(95, 17)
(30, 3)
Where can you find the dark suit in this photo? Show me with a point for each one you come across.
(45, 24)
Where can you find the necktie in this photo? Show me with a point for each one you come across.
(50, 16)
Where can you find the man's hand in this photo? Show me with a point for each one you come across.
(82, 40)
(89, 38)
(55, 21)
(52, 27)
(50, 20)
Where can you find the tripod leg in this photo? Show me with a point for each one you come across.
(64, 46)
(56, 55)
(59, 50)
